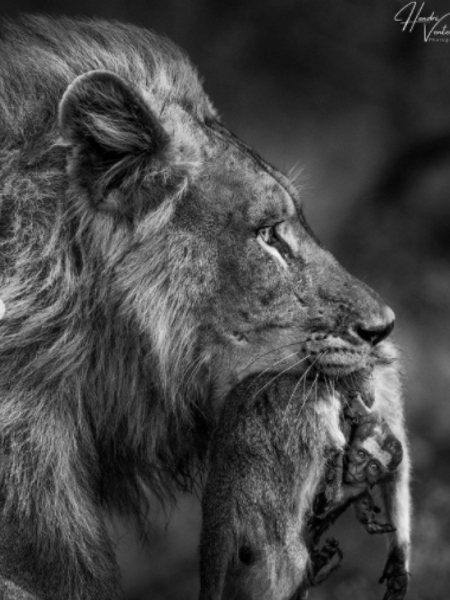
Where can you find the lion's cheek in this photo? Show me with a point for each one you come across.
(271, 349)
(252, 286)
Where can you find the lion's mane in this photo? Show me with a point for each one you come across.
(88, 405)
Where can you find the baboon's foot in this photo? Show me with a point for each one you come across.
(395, 575)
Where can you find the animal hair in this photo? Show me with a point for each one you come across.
(276, 484)
(65, 48)
(269, 455)
(91, 410)
(58, 320)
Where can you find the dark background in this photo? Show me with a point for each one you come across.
(337, 88)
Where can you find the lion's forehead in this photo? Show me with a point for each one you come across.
(268, 201)
(246, 182)
(274, 203)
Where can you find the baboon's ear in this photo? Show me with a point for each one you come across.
(115, 140)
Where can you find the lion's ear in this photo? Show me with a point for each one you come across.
(116, 141)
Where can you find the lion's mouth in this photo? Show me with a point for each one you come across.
(332, 354)
(338, 362)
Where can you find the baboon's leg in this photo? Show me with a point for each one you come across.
(325, 561)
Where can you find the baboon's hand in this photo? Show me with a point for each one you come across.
(395, 575)
(374, 527)
(325, 561)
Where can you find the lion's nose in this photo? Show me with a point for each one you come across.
(375, 333)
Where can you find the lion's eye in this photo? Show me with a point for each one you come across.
(272, 243)
(267, 235)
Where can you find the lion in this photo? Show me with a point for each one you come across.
(149, 262)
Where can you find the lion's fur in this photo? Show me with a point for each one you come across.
(65, 48)
(58, 316)
(75, 370)
(137, 287)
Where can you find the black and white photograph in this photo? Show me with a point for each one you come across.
(224, 300)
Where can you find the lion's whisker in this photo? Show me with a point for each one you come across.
(275, 349)
(280, 374)
(269, 368)
(303, 377)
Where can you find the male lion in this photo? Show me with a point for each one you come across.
(149, 261)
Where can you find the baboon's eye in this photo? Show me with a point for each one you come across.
(373, 466)
(246, 555)
(361, 454)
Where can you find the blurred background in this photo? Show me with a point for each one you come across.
(334, 89)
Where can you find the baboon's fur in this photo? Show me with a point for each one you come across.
(276, 482)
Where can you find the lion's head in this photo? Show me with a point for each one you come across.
(216, 260)
(151, 257)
